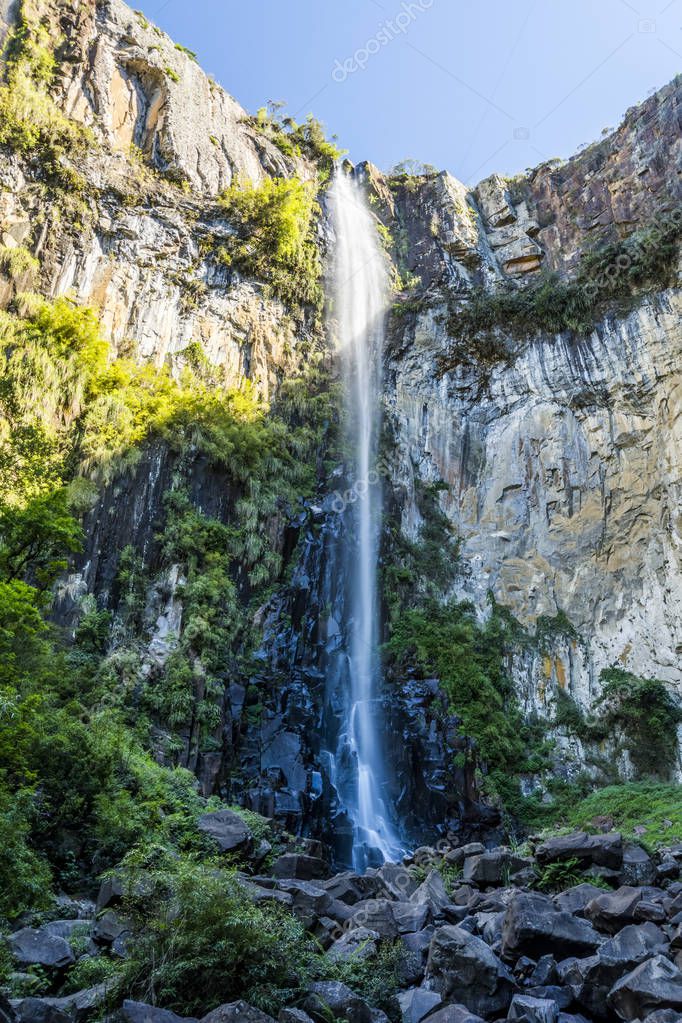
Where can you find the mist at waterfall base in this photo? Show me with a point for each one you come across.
(360, 294)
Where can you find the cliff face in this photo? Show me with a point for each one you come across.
(165, 141)
(561, 464)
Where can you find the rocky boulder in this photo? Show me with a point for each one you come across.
(454, 1014)
(35, 947)
(377, 915)
(591, 979)
(309, 901)
(533, 1010)
(462, 968)
(304, 868)
(236, 1012)
(331, 998)
(655, 984)
(534, 926)
(493, 868)
(417, 1003)
(140, 1012)
(610, 911)
(228, 830)
(602, 850)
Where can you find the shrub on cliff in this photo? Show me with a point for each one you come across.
(446, 640)
(31, 123)
(644, 712)
(490, 325)
(273, 240)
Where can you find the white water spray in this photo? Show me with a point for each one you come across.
(361, 296)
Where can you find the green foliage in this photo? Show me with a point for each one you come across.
(17, 263)
(638, 714)
(199, 941)
(50, 354)
(645, 811)
(25, 877)
(274, 237)
(31, 123)
(613, 277)
(376, 978)
(188, 53)
(415, 569)
(469, 659)
(568, 714)
(294, 140)
(172, 74)
(647, 714)
(90, 971)
(36, 539)
(557, 877)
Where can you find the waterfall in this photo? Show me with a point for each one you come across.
(360, 299)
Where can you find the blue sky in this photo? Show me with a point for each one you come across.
(474, 86)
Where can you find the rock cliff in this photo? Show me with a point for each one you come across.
(559, 463)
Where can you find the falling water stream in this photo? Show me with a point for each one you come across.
(360, 289)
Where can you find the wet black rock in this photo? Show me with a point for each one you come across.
(417, 1003)
(493, 868)
(533, 1010)
(237, 1012)
(610, 911)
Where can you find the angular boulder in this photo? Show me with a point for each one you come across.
(356, 944)
(655, 984)
(410, 916)
(463, 969)
(574, 900)
(35, 947)
(595, 976)
(432, 893)
(236, 1012)
(417, 1003)
(228, 831)
(39, 1010)
(140, 1012)
(290, 1015)
(638, 867)
(533, 1010)
(533, 926)
(351, 888)
(309, 900)
(602, 850)
(493, 868)
(454, 1014)
(377, 915)
(331, 998)
(611, 911)
(304, 868)
(397, 880)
